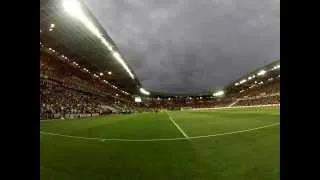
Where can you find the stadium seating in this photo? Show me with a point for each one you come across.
(273, 99)
(66, 92)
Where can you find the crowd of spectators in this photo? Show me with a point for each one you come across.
(258, 94)
(270, 86)
(67, 91)
(259, 101)
(58, 100)
(178, 103)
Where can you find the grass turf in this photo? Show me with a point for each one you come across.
(243, 156)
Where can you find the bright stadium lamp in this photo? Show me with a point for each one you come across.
(243, 81)
(143, 91)
(276, 67)
(218, 93)
(137, 99)
(109, 72)
(117, 56)
(52, 25)
(261, 73)
(72, 7)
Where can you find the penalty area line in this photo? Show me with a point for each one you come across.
(177, 126)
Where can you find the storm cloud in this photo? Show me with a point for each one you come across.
(189, 46)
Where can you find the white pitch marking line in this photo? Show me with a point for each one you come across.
(165, 139)
(235, 132)
(178, 127)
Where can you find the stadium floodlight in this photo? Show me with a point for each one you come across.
(117, 94)
(73, 7)
(101, 74)
(137, 99)
(169, 99)
(236, 84)
(143, 91)
(107, 44)
(218, 93)
(276, 67)
(50, 29)
(243, 81)
(261, 73)
(117, 56)
(52, 25)
(109, 72)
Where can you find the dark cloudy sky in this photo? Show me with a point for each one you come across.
(189, 46)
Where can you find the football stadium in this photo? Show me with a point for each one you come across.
(98, 121)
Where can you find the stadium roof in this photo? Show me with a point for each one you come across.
(265, 69)
(70, 37)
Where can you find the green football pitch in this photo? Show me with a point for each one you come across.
(229, 144)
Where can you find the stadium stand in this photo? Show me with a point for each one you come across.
(264, 100)
(66, 92)
(256, 90)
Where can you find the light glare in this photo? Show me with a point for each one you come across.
(73, 7)
(218, 93)
(262, 72)
(137, 99)
(143, 91)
